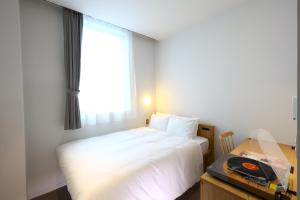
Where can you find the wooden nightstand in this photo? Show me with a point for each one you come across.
(208, 131)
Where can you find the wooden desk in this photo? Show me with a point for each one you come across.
(212, 188)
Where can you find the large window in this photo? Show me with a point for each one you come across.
(107, 86)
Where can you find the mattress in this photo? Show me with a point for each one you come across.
(203, 142)
(136, 164)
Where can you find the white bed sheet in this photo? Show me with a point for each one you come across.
(138, 164)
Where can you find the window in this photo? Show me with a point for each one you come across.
(107, 86)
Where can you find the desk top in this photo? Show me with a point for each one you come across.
(248, 145)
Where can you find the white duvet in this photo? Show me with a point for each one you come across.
(139, 164)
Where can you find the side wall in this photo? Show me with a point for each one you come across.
(12, 137)
(44, 92)
(237, 71)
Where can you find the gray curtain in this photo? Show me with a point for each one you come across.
(73, 22)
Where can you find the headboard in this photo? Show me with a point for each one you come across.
(208, 131)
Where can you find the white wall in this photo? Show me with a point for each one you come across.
(237, 71)
(44, 92)
(12, 137)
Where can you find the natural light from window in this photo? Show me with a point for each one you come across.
(107, 77)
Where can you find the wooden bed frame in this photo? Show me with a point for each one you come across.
(208, 131)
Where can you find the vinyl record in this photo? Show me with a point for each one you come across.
(251, 167)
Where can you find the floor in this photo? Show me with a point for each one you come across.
(62, 194)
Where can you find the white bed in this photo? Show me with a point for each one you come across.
(138, 164)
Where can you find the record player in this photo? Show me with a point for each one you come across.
(253, 182)
(267, 176)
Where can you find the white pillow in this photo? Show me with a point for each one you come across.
(183, 126)
(159, 121)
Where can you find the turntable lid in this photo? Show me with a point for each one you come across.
(272, 155)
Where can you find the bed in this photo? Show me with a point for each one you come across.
(142, 163)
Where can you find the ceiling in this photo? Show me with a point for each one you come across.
(157, 19)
